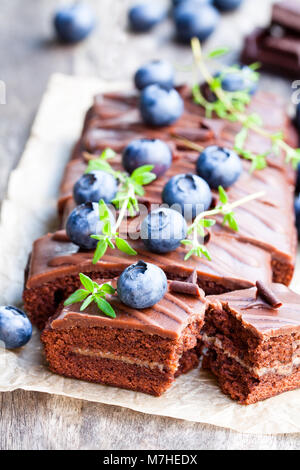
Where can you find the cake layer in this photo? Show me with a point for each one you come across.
(55, 264)
(116, 373)
(139, 350)
(241, 385)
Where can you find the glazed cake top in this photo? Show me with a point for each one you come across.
(167, 318)
(233, 263)
(257, 315)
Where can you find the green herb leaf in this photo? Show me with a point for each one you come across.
(230, 220)
(87, 302)
(104, 306)
(99, 164)
(124, 246)
(222, 195)
(100, 251)
(103, 211)
(108, 154)
(107, 289)
(202, 250)
(86, 282)
(141, 169)
(77, 296)
(95, 293)
(218, 53)
(240, 138)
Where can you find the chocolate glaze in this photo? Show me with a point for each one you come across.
(113, 121)
(234, 264)
(266, 293)
(263, 320)
(267, 222)
(100, 131)
(168, 318)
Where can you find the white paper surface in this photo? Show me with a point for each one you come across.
(28, 212)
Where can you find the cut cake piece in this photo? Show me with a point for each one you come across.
(253, 346)
(140, 350)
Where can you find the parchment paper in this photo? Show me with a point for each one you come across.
(28, 212)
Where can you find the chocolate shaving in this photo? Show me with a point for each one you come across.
(267, 295)
(193, 277)
(257, 304)
(61, 236)
(189, 287)
(207, 236)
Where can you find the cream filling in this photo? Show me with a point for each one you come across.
(116, 357)
(279, 368)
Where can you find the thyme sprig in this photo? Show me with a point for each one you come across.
(130, 186)
(93, 292)
(232, 106)
(203, 221)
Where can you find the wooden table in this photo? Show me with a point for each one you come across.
(28, 57)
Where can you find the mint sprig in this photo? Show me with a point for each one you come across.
(93, 292)
(130, 187)
(110, 236)
(232, 106)
(202, 222)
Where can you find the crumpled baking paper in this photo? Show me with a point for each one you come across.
(28, 212)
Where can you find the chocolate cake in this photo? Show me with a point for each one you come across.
(138, 350)
(267, 222)
(264, 248)
(277, 47)
(253, 341)
(56, 262)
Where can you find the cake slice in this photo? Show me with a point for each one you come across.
(140, 350)
(253, 341)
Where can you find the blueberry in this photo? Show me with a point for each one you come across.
(176, 3)
(147, 152)
(219, 166)
(157, 72)
(15, 327)
(142, 285)
(297, 213)
(94, 186)
(162, 230)
(74, 22)
(82, 223)
(160, 107)
(190, 193)
(227, 5)
(194, 20)
(144, 16)
(243, 79)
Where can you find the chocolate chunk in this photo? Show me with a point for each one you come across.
(287, 14)
(267, 295)
(186, 288)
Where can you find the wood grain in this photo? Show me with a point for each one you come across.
(29, 55)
